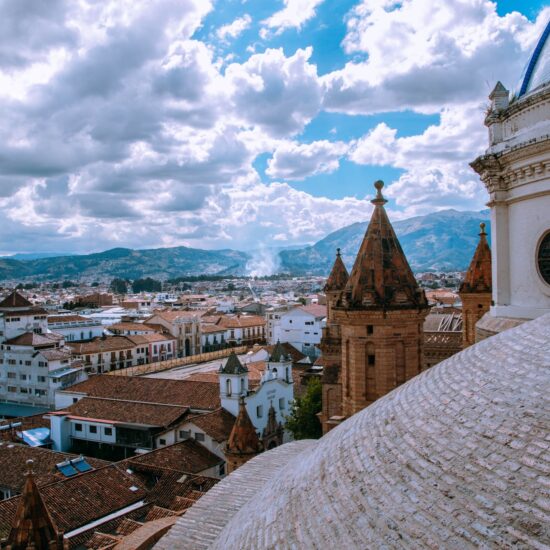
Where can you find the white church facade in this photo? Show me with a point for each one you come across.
(516, 172)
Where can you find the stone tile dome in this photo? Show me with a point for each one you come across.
(457, 458)
(537, 71)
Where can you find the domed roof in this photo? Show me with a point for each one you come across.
(537, 70)
(458, 457)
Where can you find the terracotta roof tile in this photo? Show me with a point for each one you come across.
(126, 412)
(185, 457)
(15, 300)
(217, 424)
(77, 501)
(13, 458)
(187, 393)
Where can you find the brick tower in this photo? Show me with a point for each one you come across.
(33, 527)
(476, 289)
(331, 346)
(243, 443)
(380, 314)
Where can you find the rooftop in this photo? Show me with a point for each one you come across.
(458, 457)
(187, 393)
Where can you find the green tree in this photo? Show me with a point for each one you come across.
(118, 286)
(303, 421)
(146, 285)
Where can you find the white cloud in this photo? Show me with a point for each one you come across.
(296, 161)
(234, 29)
(293, 15)
(437, 174)
(278, 93)
(422, 54)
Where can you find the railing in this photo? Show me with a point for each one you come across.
(160, 366)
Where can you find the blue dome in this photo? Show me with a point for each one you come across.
(537, 71)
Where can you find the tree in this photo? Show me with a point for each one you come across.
(118, 286)
(95, 284)
(146, 285)
(303, 421)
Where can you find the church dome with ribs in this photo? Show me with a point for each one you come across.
(457, 458)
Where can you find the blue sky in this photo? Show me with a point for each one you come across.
(242, 123)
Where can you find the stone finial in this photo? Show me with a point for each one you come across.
(482, 229)
(499, 97)
(30, 464)
(379, 200)
(338, 252)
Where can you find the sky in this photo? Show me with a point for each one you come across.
(243, 124)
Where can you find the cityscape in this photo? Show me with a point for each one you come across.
(275, 275)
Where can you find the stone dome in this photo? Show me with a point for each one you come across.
(537, 71)
(458, 457)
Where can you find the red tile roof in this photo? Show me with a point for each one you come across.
(125, 412)
(79, 500)
(217, 424)
(187, 393)
(185, 457)
(32, 339)
(15, 300)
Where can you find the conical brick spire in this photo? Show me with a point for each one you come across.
(33, 526)
(478, 277)
(243, 439)
(381, 276)
(338, 276)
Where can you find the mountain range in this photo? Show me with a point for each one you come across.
(440, 241)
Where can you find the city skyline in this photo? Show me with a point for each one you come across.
(231, 126)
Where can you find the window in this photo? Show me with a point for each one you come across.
(370, 329)
(42, 364)
(78, 427)
(93, 429)
(12, 362)
(12, 389)
(308, 323)
(75, 400)
(162, 441)
(12, 375)
(370, 359)
(28, 363)
(40, 392)
(281, 403)
(199, 436)
(228, 387)
(41, 378)
(108, 431)
(185, 434)
(259, 411)
(24, 390)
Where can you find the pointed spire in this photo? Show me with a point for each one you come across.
(278, 354)
(478, 277)
(381, 276)
(33, 526)
(233, 365)
(338, 276)
(243, 439)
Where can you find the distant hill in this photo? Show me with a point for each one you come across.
(440, 241)
(161, 263)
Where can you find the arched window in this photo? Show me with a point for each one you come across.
(242, 385)
(275, 372)
(228, 387)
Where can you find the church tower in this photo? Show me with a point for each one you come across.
(33, 527)
(243, 443)
(381, 315)
(475, 291)
(331, 346)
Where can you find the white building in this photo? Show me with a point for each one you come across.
(75, 327)
(34, 362)
(302, 327)
(516, 172)
(275, 390)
